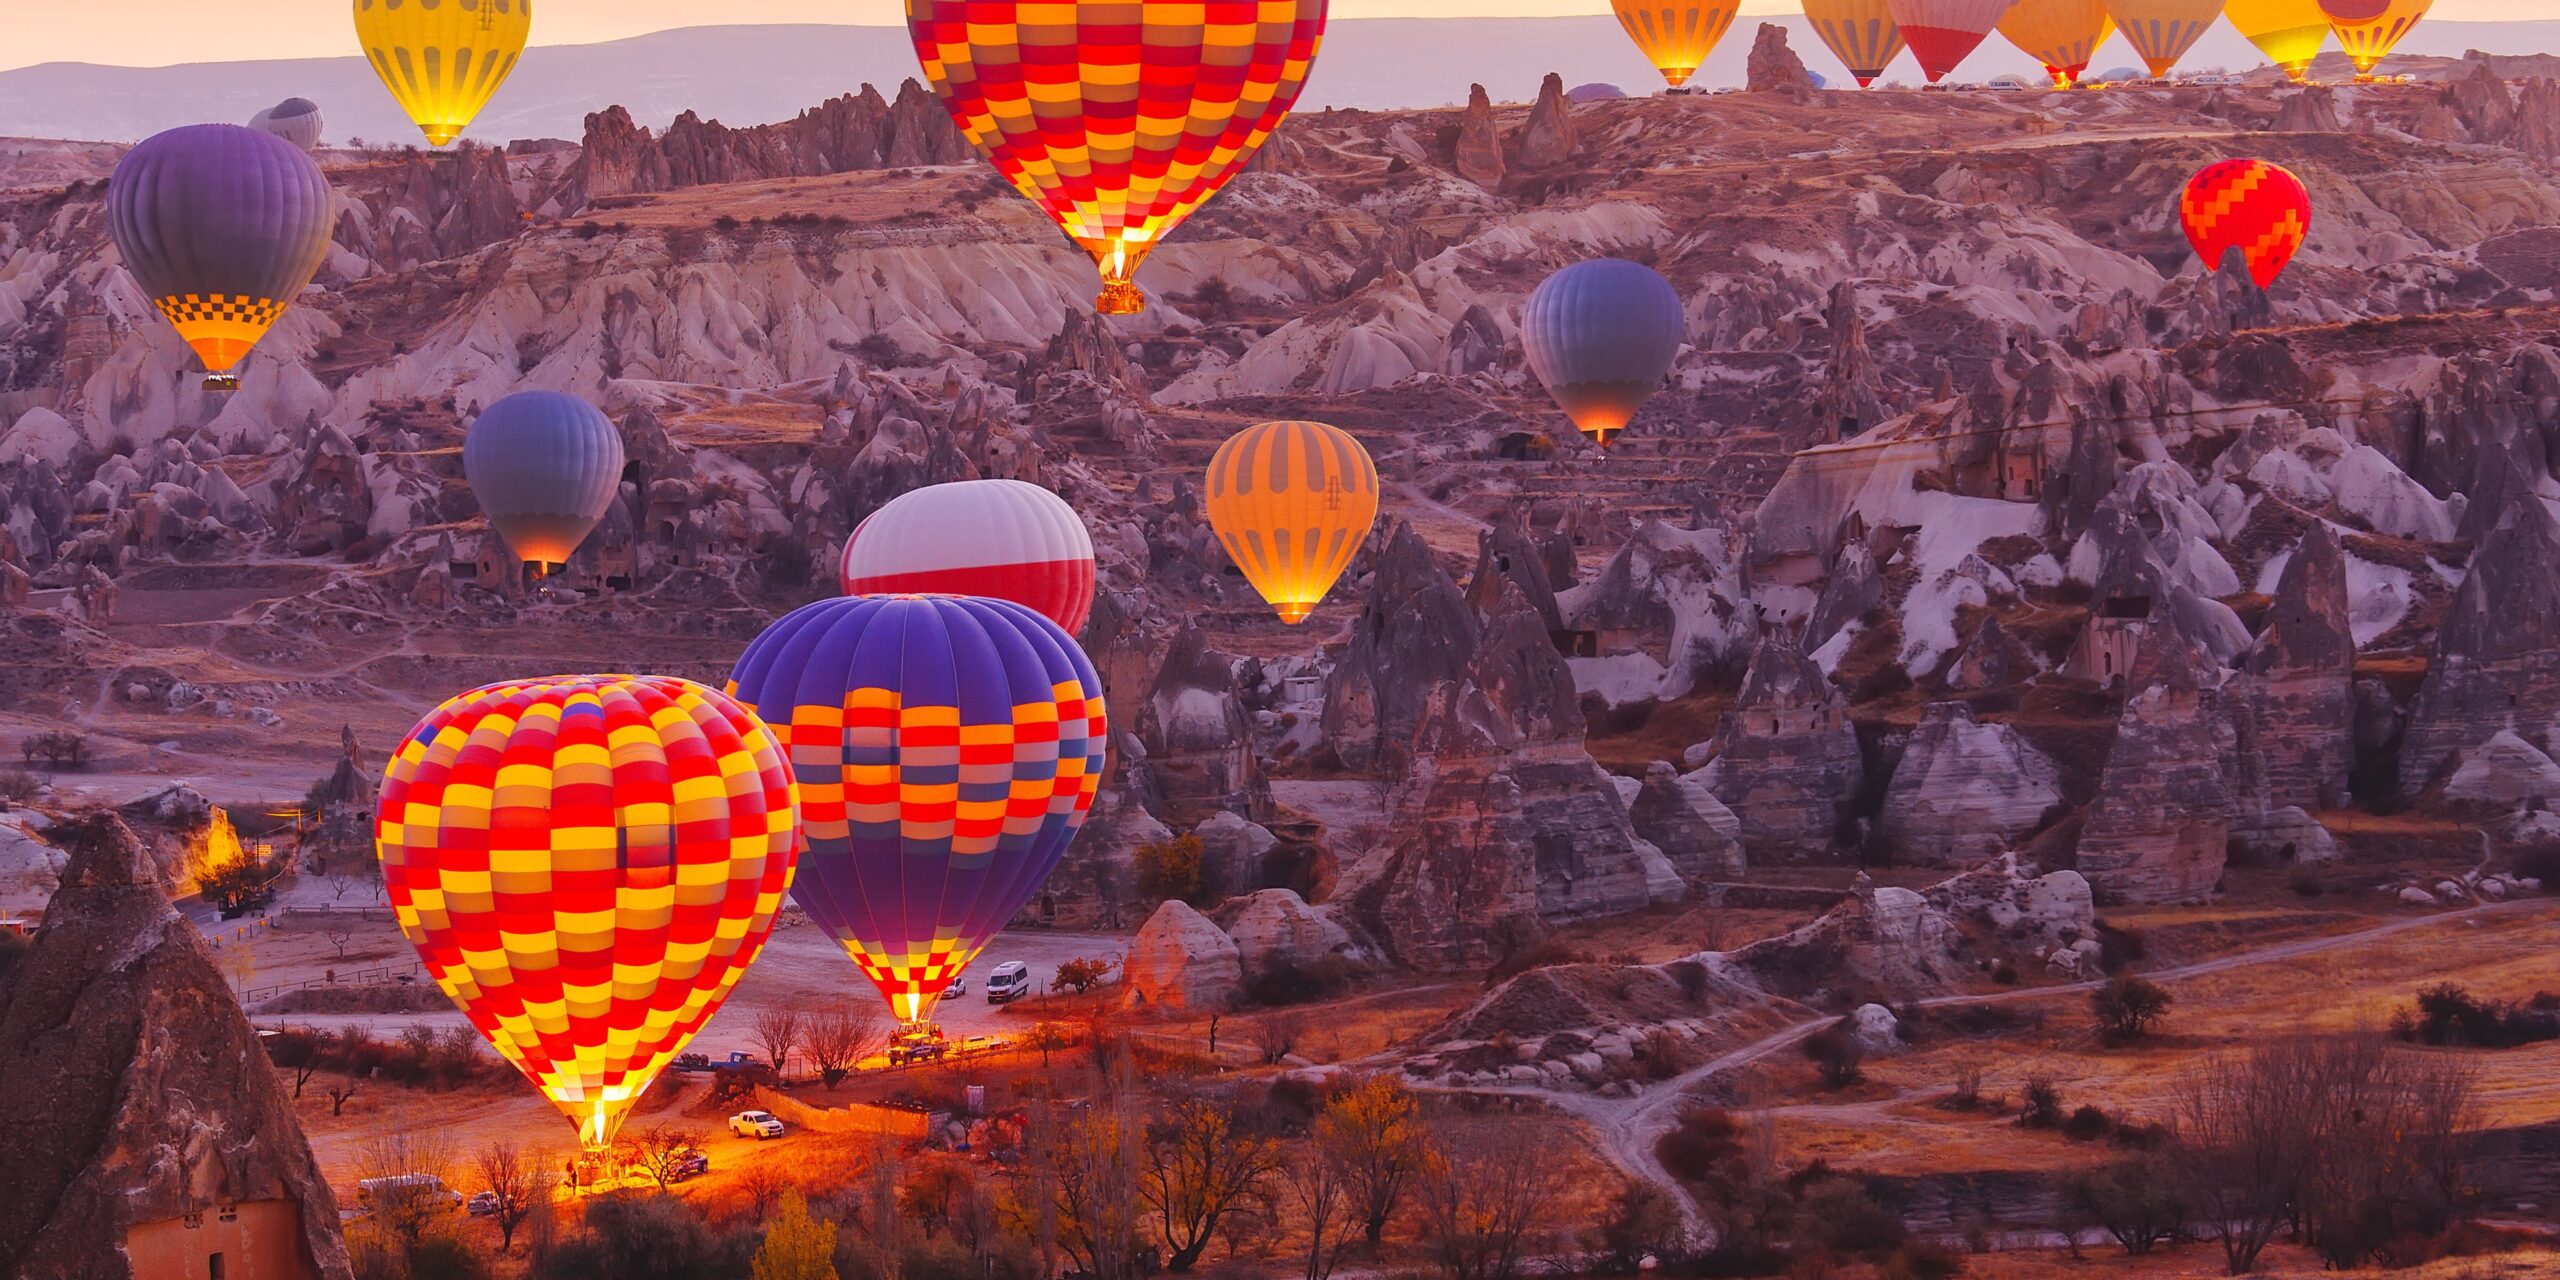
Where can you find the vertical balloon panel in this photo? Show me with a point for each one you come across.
(1861, 33)
(223, 227)
(2289, 32)
(1292, 502)
(1677, 36)
(2162, 31)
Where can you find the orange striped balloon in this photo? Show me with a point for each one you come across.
(1675, 35)
(1117, 117)
(1292, 501)
(587, 865)
(2261, 209)
(2061, 34)
(2368, 29)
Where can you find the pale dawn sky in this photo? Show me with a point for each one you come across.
(160, 32)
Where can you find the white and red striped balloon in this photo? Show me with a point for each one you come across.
(999, 538)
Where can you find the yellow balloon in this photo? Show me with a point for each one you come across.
(2163, 30)
(1676, 36)
(1860, 32)
(2061, 34)
(1292, 501)
(443, 58)
(2289, 32)
(2367, 29)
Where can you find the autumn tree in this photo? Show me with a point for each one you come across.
(403, 1170)
(1375, 1131)
(1090, 1171)
(797, 1246)
(1081, 976)
(1483, 1205)
(780, 1029)
(1318, 1187)
(840, 1036)
(1170, 868)
(515, 1182)
(1201, 1165)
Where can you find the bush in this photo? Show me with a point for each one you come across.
(1702, 1141)
(1840, 1215)
(58, 748)
(1171, 869)
(2040, 1103)
(646, 1236)
(2005, 973)
(1922, 1260)
(1081, 976)
(2087, 1124)
(2127, 1007)
(1542, 955)
(17, 786)
(2306, 882)
(1285, 983)
(1837, 1054)
(2449, 1015)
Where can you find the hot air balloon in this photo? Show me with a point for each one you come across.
(1943, 32)
(587, 864)
(947, 749)
(1860, 32)
(443, 58)
(2368, 29)
(2061, 34)
(2163, 30)
(1292, 502)
(296, 120)
(2256, 207)
(545, 467)
(2289, 32)
(1601, 334)
(1675, 35)
(222, 226)
(1117, 119)
(1000, 538)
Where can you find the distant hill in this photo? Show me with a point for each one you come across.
(754, 74)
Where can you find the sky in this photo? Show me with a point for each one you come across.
(148, 33)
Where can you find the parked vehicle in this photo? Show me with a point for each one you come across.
(923, 1045)
(482, 1204)
(404, 1187)
(694, 1164)
(758, 1125)
(705, 1062)
(1011, 981)
(959, 986)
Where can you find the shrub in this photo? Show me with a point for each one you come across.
(1840, 1215)
(1084, 975)
(2306, 882)
(2127, 1007)
(1922, 1260)
(2087, 1124)
(1837, 1054)
(1703, 1139)
(1171, 869)
(2005, 973)
(2040, 1103)
(1286, 983)
(2445, 1014)
(58, 748)
(17, 786)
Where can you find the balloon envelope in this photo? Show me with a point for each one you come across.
(1601, 334)
(2061, 34)
(2289, 32)
(443, 60)
(1292, 502)
(545, 467)
(1118, 120)
(1861, 33)
(2163, 30)
(2256, 207)
(587, 864)
(1675, 35)
(296, 120)
(222, 226)
(1942, 33)
(1002, 538)
(946, 748)
(2369, 29)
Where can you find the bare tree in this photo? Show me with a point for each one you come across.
(780, 1029)
(1374, 1130)
(401, 1177)
(1201, 1165)
(314, 1054)
(1089, 1170)
(760, 1186)
(840, 1036)
(2240, 1124)
(2383, 1149)
(348, 1048)
(1276, 1034)
(341, 882)
(339, 933)
(1319, 1188)
(1484, 1204)
(660, 1151)
(515, 1182)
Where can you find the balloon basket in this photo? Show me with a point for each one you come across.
(222, 382)
(1119, 298)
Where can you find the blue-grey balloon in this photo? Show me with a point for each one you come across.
(545, 467)
(296, 120)
(1601, 335)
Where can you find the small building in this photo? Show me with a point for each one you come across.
(2110, 641)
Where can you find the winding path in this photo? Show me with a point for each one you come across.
(1628, 1127)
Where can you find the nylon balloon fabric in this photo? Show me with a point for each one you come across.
(2369, 29)
(546, 467)
(1292, 502)
(947, 749)
(1117, 119)
(1943, 33)
(2061, 34)
(2289, 32)
(1600, 335)
(1009, 539)
(296, 120)
(2259, 208)
(443, 60)
(587, 865)
(2163, 30)
(222, 226)
(1861, 33)
(1676, 36)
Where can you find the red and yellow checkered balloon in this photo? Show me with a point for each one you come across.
(1117, 117)
(2258, 208)
(588, 864)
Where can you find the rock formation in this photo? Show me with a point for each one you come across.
(149, 1129)
(1546, 140)
(1773, 67)
(2159, 829)
(2300, 681)
(856, 131)
(1683, 818)
(1180, 961)
(1964, 792)
(1479, 154)
(1276, 933)
(2497, 654)
(1786, 761)
(1199, 743)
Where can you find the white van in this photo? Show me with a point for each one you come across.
(407, 1188)
(1010, 981)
